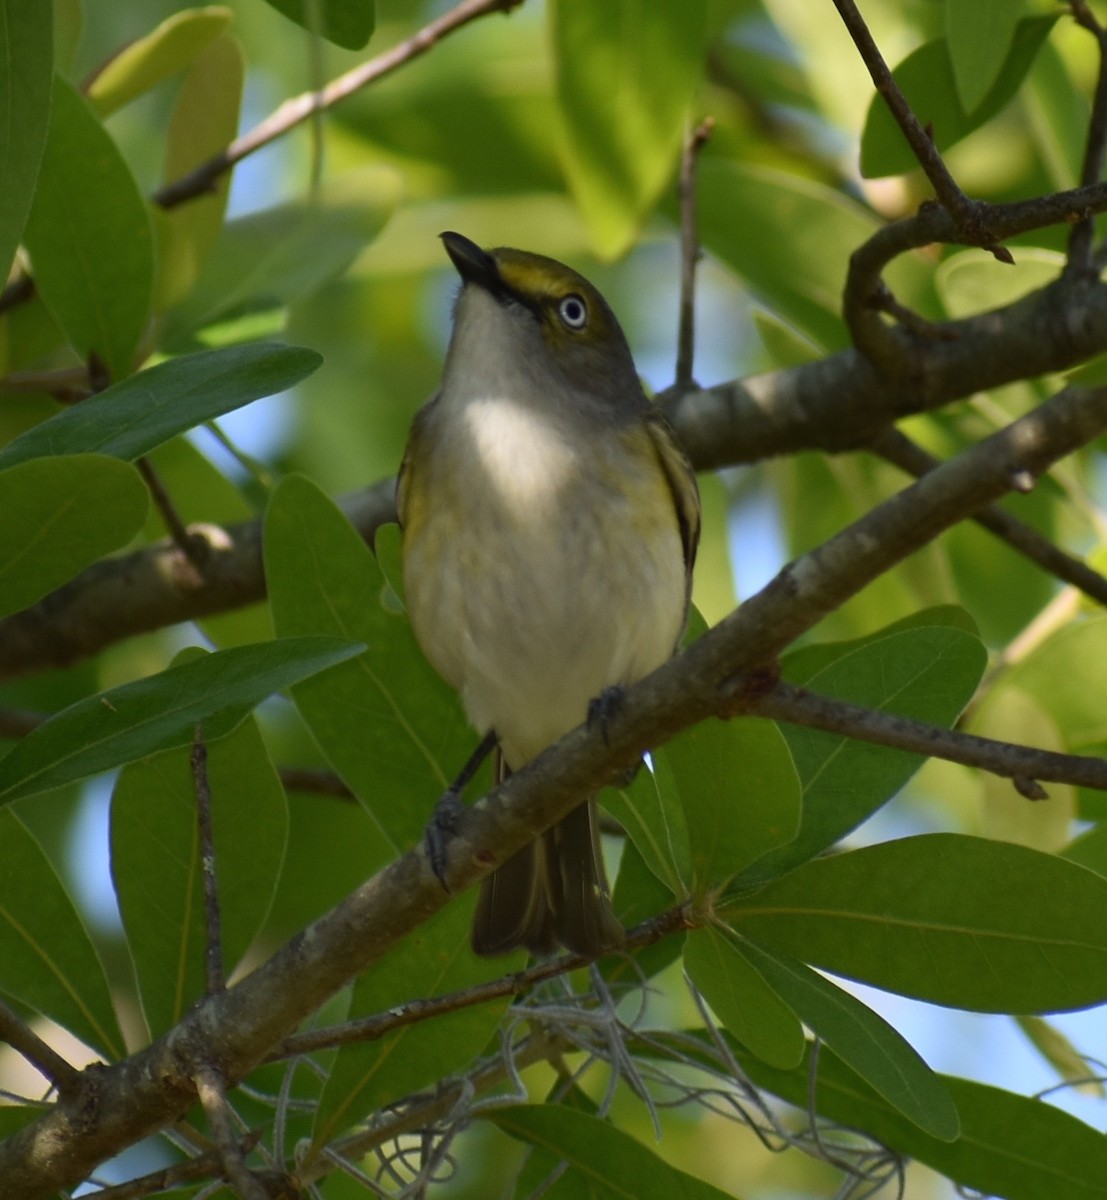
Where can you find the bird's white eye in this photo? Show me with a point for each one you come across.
(573, 311)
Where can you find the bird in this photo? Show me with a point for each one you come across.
(549, 521)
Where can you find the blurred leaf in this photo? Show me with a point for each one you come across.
(741, 997)
(347, 23)
(864, 1040)
(1058, 109)
(1090, 849)
(63, 513)
(280, 255)
(979, 34)
(806, 231)
(204, 120)
(133, 416)
(1063, 1056)
(90, 237)
(627, 75)
(935, 917)
(68, 23)
(972, 281)
(926, 667)
(155, 862)
(433, 961)
(386, 722)
(49, 960)
(926, 79)
(603, 1162)
(638, 896)
(168, 49)
(740, 794)
(1010, 1146)
(26, 66)
(136, 719)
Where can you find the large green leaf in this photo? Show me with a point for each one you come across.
(947, 918)
(347, 23)
(26, 66)
(49, 960)
(168, 49)
(60, 515)
(1010, 1145)
(387, 723)
(627, 74)
(156, 868)
(862, 1038)
(926, 79)
(604, 1163)
(433, 961)
(926, 667)
(275, 257)
(136, 719)
(90, 237)
(743, 999)
(979, 34)
(139, 413)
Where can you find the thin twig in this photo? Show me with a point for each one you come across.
(22, 1038)
(192, 547)
(295, 111)
(315, 781)
(67, 385)
(213, 944)
(1080, 258)
(211, 1089)
(694, 142)
(1022, 764)
(895, 447)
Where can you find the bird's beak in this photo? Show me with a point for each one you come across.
(473, 264)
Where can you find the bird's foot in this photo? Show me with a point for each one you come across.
(604, 708)
(440, 830)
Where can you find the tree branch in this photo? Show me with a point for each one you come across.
(798, 706)
(234, 1030)
(1080, 259)
(23, 1039)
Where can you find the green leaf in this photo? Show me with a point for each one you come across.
(935, 917)
(913, 669)
(347, 23)
(627, 75)
(49, 961)
(742, 998)
(26, 66)
(136, 719)
(740, 794)
(806, 231)
(972, 281)
(1063, 1056)
(390, 727)
(1010, 1146)
(863, 1039)
(980, 34)
(926, 79)
(62, 514)
(649, 809)
(137, 414)
(90, 237)
(433, 961)
(603, 1161)
(167, 50)
(280, 255)
(203, 121)
(155, 863)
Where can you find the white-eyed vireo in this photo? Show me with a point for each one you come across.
(550, 522)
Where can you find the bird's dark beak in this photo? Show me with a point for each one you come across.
(473, 264)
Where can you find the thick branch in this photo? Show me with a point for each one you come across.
(232, 1031)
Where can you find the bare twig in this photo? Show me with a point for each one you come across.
(295, 111)
(66, 384)
(22, 1038)
(900, 450)
(211, 1089)
(694, 142)
(17, 723)
(1080, 258)
(786, 702)
(213, 943)
(315, 781)
(192, 547)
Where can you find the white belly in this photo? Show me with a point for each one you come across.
(561, 589)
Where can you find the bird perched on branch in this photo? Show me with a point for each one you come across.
(550, 522)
